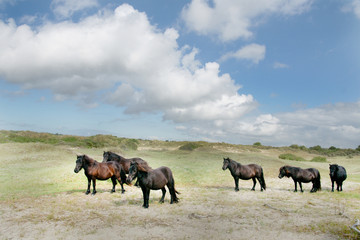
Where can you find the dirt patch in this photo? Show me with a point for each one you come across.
(203, 213)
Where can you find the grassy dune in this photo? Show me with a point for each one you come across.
(42, 198)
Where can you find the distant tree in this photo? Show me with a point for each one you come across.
(332, 148)
(358, 148)
(316, 148)
(257, 144)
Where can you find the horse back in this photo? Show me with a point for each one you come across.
(159, 177)
(248, 171)
(106, 170)
(341, 173)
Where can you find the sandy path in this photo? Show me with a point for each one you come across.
(203, 213)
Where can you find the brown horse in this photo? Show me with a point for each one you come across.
(300, 175)
(153, 179)
(102, 171)
(245, 172)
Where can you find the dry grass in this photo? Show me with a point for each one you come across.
(53, 204)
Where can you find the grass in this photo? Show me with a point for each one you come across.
(38, 175)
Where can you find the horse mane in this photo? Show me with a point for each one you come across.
(89, 159)
(117, 155)
(143, 167)
(233, 162)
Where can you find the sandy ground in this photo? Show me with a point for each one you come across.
(202, 213)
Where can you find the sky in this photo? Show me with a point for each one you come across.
(277, 72)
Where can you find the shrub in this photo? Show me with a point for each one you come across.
(257, 144)
(318, 159)
(290, 156)
(190, 146)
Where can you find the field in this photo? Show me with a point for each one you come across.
(42, 198)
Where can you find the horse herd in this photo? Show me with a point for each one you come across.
(116, 167)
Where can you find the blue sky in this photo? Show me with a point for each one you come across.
(278, 72)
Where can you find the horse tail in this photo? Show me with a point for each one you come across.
(172, 189)
(263, 184)
(317, 181)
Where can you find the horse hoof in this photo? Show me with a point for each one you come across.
(87, 193)
(122, 191)
(236, 190)
(252, 189)
(93, 193)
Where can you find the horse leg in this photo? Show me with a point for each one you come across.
(88, 188)
(254, 181)
(163, 195)
(94, 186)
(147, 197)
(337, 186)
(332, 185)
(113, 179)
(146, 194)
(121, 184)
(301, 187)
(295, 185)
(236, 184)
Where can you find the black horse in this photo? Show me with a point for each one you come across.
(153, 179)
(300, 175)
(102, 171)
(338, 175)
(125, 162)
(245, 172)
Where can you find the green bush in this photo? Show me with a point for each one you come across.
(319, 159)
(290, 156)
(190, 146)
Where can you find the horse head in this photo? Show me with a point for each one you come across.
(133, 170)
(283, 171)
(333, 169)
(79, 163)
(226, 163)
(106, 156)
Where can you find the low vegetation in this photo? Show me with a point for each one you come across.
(42, 198)
(290, 156)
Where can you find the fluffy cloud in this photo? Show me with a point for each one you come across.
(252, 52)
(66, 8)
(330, 125)
(230, 20)
(120, 54)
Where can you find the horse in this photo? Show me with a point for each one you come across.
(338, 175)
(102, 171)
(125, 162)
(154, 179)
(300, 175)
(245, 172)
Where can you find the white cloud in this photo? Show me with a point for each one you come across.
(354, 7)
(66, 8)
(252, 52)
(230, 20)
(279, 65)
(135, 65)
